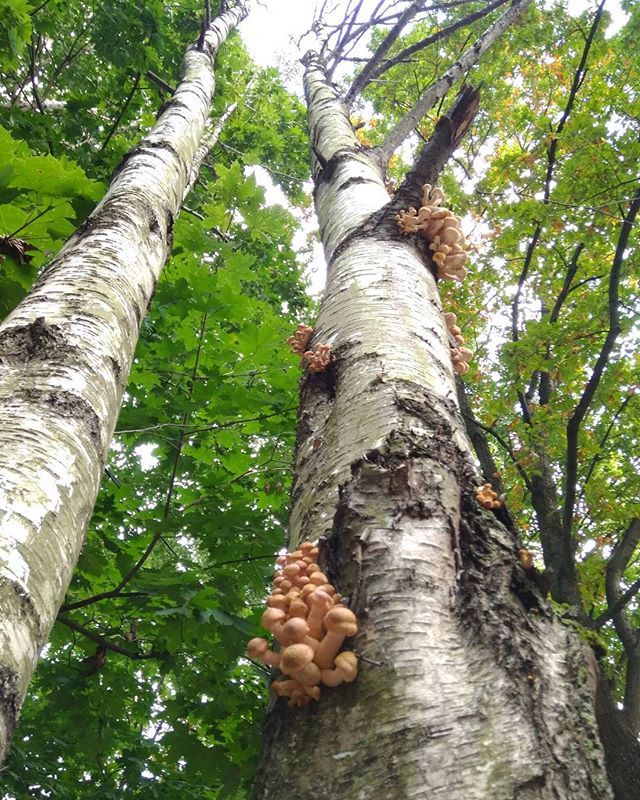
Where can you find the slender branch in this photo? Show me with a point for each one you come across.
(620, 603)
(159, 82)
(125, 105)
(96, 598)
(573, 426)
(545, 383)
(378, 69)
(506, 446)
(570, 274)
(209, 139)
(601, 444)
(98, 639)
(365, 77)
(350, 24)
(578, 80)
(437, 90)
(552, 152)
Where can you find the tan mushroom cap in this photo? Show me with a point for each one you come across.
(295, 658)
(341, 620)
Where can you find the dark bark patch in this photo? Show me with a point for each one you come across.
(356, 179)
(154, 225)
(331, 165)
(169, 229)
(9, 703)
(115, 367)
(323, 382)
(35, 341)
(69, 406)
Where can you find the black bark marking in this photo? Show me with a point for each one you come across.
(137, 311)
(328, 169)
(69, 406)
(169, 233)
(115, 367)
(154, 225)
(355, 180)
(35, 341)
(9, 699)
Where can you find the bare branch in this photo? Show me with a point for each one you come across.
(377, 67)
(365, 77)
(159, 82)
(453, 74)
(98, 639)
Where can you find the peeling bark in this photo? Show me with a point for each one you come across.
(65, 354)
(469, 687)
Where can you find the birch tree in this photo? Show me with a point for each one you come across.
(65, 354)
(469, 685)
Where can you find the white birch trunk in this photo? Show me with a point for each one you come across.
(470, 690)
(65, 354)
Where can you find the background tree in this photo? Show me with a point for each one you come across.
(42, 191)
(186, 723)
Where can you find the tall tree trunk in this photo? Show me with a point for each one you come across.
(65, 354)
(468, 687)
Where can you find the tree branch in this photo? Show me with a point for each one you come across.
(125, 105)
(159, 82)
(365, 77)
(628, 634)
(573, 426)
(437, 150)
(98, 639)
(377, 69)
(437, 90)
(111, 595)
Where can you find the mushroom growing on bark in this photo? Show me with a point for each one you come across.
(340, 623)
(303, 609)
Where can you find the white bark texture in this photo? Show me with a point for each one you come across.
(469, 689)
(65, 354)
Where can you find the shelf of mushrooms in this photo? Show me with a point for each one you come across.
(442, 229)
(310, 625)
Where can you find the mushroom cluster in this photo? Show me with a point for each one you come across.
(442, 228)
(460, 356)
(318, 359)
(306, 618)
(487, 497)
(300, 339)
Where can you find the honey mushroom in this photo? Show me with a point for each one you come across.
(300, 339)
(318, 359)
(346, 670)
(305, 616)
(460, 356)
(487, 497)
(442, 229)
(259, 649)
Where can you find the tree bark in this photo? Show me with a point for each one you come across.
(65, 354)
(469, 687)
